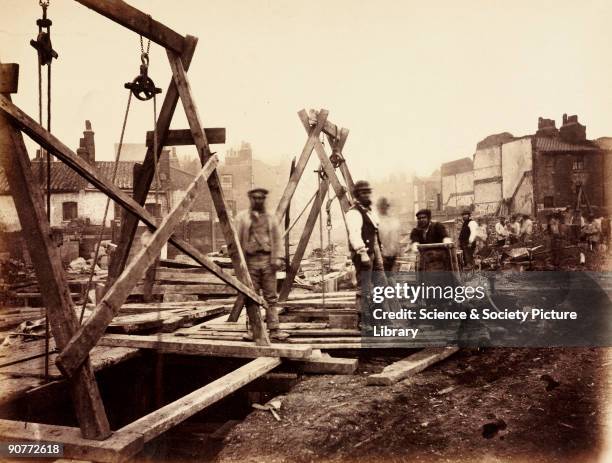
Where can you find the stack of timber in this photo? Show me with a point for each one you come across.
(317, 319)
(183, 284)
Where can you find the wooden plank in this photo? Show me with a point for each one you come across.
(216, 192)
(73, 354)
(171, 344)
(177, 276)
(129, 222)
(183, 137)
(137, 21)
(339, 189)
(412, 364)
(206, 289)
(313, 139)
(325, 364)
(118, 447)
(161, 420)
(50, 274)
(313, 215)
(9, 78)
(86, 170)
(318, 303)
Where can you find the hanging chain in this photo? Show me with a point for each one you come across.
(142, 50)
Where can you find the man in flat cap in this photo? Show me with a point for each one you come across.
(260, 238)
(427, 231)
(364, 243)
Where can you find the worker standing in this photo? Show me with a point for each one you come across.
(467, 237)
(427, 231)
(260, 238)
(389, 233)
(501, 232)
(527, 229)
(364, 243)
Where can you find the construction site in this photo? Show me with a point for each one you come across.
(137, 324)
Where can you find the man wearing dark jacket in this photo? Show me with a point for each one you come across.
(426, 231)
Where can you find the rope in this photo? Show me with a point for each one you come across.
(101, 232)
(300, 214)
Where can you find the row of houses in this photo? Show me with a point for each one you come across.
(77, 207)
(553, 168)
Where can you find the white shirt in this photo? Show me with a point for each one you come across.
(354, 222)
(473, 226)
(501, 231)
(527, 228)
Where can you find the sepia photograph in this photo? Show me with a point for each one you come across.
(273, 231)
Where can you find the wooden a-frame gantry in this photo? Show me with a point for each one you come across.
(95, 440)
(315, 125)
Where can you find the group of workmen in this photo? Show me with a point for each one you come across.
(374, 239)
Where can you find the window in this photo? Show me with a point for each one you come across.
(578, 162)
(69, 210)
(154, 209)
(226, 181)
(549, 201)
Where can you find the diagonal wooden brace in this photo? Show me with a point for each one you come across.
(49, 142)
(313, 139)
(77, 350)
(234, 249)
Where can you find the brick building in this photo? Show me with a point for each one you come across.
(457, 184)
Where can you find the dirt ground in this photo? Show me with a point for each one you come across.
(439, 414)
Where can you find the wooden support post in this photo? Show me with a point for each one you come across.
(49, 272)
(147, 172)
(301, 247)
(311, 142)
(214, 184)
(83, 168)
(137, 21)
(73, 354)
(339, 146)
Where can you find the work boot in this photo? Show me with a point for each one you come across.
(278, 335)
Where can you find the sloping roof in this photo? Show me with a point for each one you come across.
(64, 179)
(456, 167)
(544, 144)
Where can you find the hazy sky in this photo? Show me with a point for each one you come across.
(417, 83)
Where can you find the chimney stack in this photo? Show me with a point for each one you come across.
(87, 145)
(546, 128)
(572, 131)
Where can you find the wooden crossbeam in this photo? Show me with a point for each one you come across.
(214, 184)
(170, 344)
(49, 272)
(86, 170)
(303, 243)
(117, 448)
(161, 420)
(184, 137)
(313, 139)
(137, 21)
(73, 354)
(129, 222)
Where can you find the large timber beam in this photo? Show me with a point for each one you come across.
(167, 417)
(49, 142)
(184, 137)
(77, 350)
(234, 249)
(129, 223)
(137, 21)
(45, 256)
